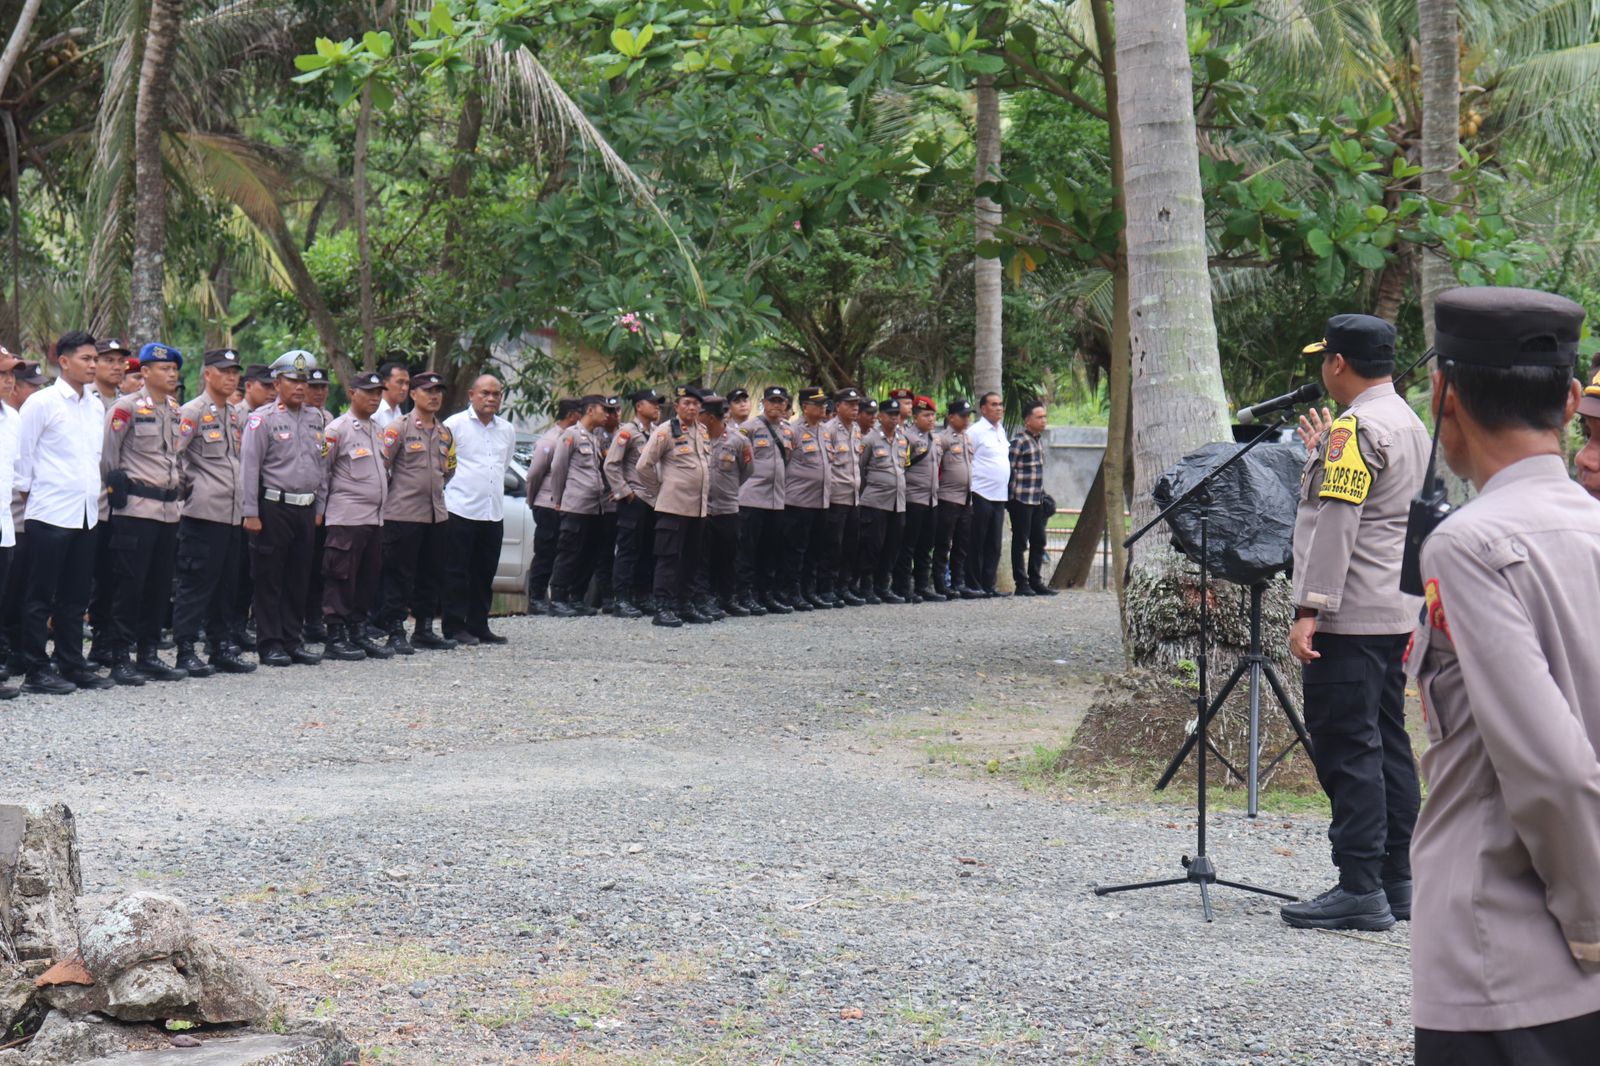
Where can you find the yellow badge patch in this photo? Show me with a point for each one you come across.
(1344, 472)
(1436, 617)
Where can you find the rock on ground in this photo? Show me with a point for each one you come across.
(39, 881)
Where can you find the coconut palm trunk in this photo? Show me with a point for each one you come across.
(1439, 33)
(986, 369)
(147, 276)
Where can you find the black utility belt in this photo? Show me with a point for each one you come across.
(149, 492)
(293, 499)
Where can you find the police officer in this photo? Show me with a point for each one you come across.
(421, 455)
(716, 583)
(806, 484)
(605, 554)
(355, 486)
(884, 453)
(209, 527)
(139, 463)
(577, 487)
(546, 519)
(317, 383)
(841, 439)
(738, 407)
(281, 467)
(1352, 621)
(761, 502)
(258, 387)
(913, 568)
(110, 370)
(634, 561)
(676, 468)
(954, 518)
(1505, 948)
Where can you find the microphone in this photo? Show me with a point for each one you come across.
(1308, 393)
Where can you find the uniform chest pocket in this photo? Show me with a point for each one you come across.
(414, 444)
(282, 434)
(360, 452)
(145, 427)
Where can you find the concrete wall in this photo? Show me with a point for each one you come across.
(1071, 461)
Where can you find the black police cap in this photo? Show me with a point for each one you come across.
(1361, 337)
(1503, 327)
(958, 407)
(735, 395)
(775, 392)
(847, 395)
(366, 382)
(221, 357)
(813, 394)
(258, 372)
(869, 405)
(645, 396)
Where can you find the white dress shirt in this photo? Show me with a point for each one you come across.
(478, 490)
(58, 459)
(9, 420)
(991, 460)
(386, 413)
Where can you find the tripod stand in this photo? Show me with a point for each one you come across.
(1255, 663)
(1198, 869)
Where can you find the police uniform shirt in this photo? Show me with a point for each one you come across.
(842, 442)
(421, 460)
(281, 449)
(883, 470)
(955, 466)
(922, 467)
(1507, 848)
(577, 483)
(732, 459)
(1349, 531)
(357, 480)
(770, 443)
(676, 468)
(544, 451)
(806, 478)
(602, 441)
(622, 461)
(141, 440)
(208, 451)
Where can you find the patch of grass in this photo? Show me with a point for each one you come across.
(406, 961)
(931, 1021)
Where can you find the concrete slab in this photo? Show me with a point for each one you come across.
(257, 1050)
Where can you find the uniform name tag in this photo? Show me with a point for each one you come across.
(1345, 475)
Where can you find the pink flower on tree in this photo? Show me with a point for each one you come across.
(629, 321)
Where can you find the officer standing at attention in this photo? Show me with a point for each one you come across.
(546, 519)
(954, 520)
(110, 371)
(806, 482)
(397, 388)
(606, 552)
(913, 568)
(633, 563)
(676, 468)
(577, 485)
(317, 384)
(884, 453)
(738, 407)
(1505, 947)
(421, 455)
(716, 584)
(841, 439)
(139, 464)
(1352, 622)
(208, 529)
(761, 503)
(258, 388)
(281, 466)
(354, 487)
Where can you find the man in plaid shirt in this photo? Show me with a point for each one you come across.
(1025, 501)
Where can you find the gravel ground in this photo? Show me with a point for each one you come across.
(607, 842)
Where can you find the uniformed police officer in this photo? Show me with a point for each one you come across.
(111, 364)
(355, 485)
(634, 562)
(546, 519)
(738, 407)
(421, 454)
(884, 453)
(606, 534)
(139, 464)
(913, 568)
(954, 519)
(280, 494)
(577, 487)
(676, 468)
(317, 385)
(761, 503)
(258, 387)
(313, 628)
(716, 582)
(1505, 949)
(841, 438)
(209, 529)
(806, 485)
(1351, 624)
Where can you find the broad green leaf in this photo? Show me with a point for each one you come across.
(622, 40)
(645, 36)
(1320, 243)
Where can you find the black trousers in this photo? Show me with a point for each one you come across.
(952, 530)
(605, 554)
(413, 554)
(1355, 713)
(677, 555)
(803, 547)
(913, 565)
(988, 530)
(546, 538)
(760, 550)
(208, 567)
(576, 552)
(11, 603)
(352, 566)
(1028, 522)
(1571, 1042)
(719, 547)
(244, 580)
(5, 574)
(314, 577)
(144, 552)
(841, 537)
(56, 593)
(634, 563)
(105, 583)
(474, 553)
(284, 556)
(880, 544)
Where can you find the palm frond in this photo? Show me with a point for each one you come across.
(111, 174)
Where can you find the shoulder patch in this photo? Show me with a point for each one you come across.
(1436, 617)
(119, 419)
(254, 422)
(1344, 472)
(186, 427)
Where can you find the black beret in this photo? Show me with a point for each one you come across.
(1491, 326)
(1356, 337)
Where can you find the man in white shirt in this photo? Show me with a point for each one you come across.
(8, 462)
(475, 499)
(58, 473)
(991, 477)
(396, 387)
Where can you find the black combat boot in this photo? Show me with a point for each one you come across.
(191, 663)
(364, 640)
(748, 601)
(930, 594)
(340, 647)
(398, 642)
(665, 615)
(47, 682)
(536, 605)
(887, 594)
(559, 607)
(1338, 908)
(227, 658)
(314, 633)
(1040, 588)
(848, 598)
(150, 665)
(774, 604)
(123, 672)
(711, 608)
(733, 608)
(690, 612)
(797, 599)
(626, 609)
(425, 637)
